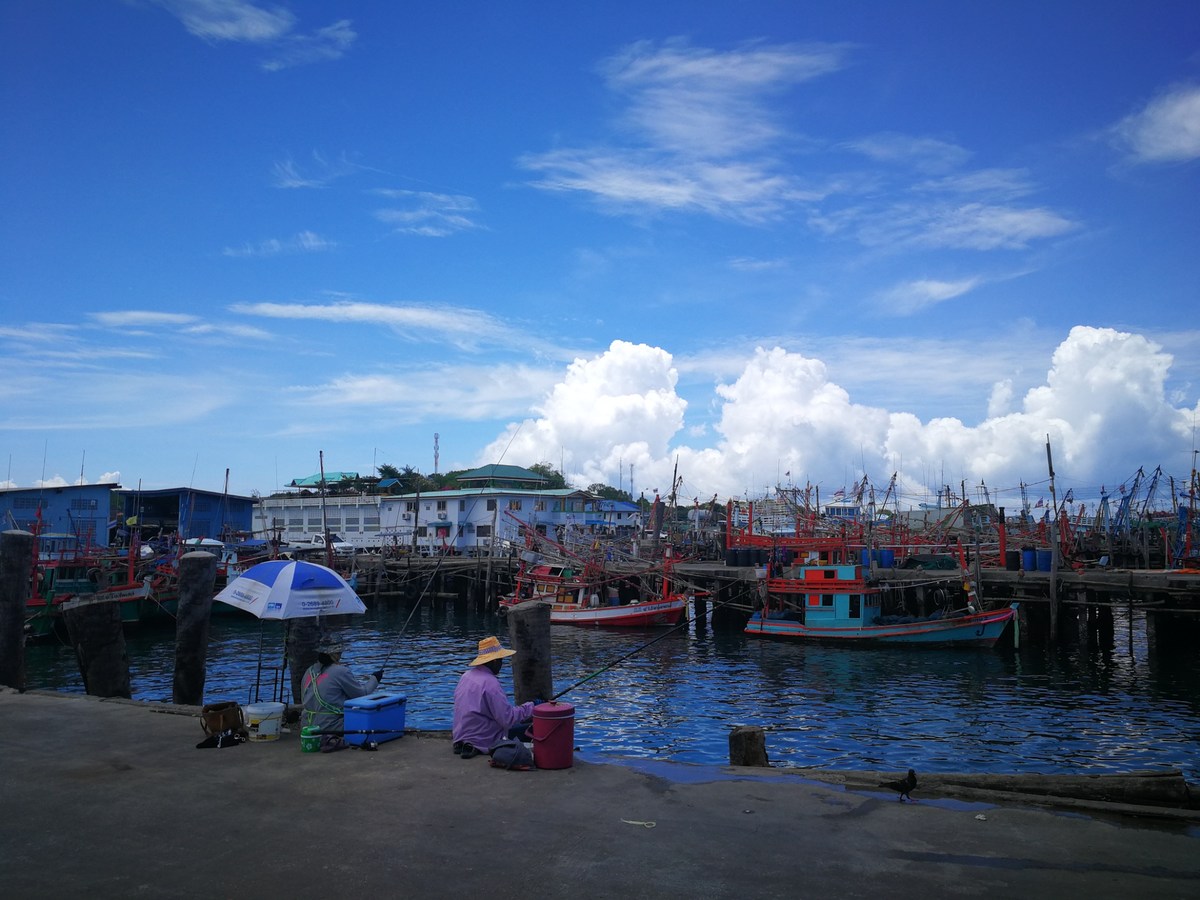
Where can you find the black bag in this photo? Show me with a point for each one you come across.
(511, 754)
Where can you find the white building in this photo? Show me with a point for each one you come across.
(468, 520)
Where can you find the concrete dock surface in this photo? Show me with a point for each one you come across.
(109, 798)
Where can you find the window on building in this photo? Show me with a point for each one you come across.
(514, 504)
(483, 530)
(539, 505)
(491, 504)
(441, 506)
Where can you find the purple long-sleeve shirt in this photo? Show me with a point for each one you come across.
(482, 713)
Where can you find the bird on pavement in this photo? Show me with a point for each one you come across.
(903, 786)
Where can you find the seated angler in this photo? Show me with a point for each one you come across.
(483, 717)
(326, 687)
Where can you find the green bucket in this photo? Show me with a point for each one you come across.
(310, 741)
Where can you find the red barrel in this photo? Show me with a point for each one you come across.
(553, 735)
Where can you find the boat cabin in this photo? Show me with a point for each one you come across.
(837, 597)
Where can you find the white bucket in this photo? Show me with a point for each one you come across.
(264, 720)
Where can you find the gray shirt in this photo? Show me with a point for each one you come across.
(325, 690)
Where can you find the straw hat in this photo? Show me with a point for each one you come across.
(489, 649)
(330, 646)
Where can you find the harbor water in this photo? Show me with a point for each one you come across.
(1062, 710)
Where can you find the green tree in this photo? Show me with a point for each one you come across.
(554, 478)
(608, 492)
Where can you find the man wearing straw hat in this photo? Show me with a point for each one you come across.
(483, 717)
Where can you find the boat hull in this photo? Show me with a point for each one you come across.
(979, 630)
(646, 614)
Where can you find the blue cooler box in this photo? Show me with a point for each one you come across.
(380, 712)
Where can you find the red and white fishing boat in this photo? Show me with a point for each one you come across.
(583, 593)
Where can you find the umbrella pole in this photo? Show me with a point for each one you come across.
(258, 677)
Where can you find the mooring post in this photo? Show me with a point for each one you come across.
(748, 746)
(197, 578)
(16, 560)
(302, 636)
(700, 612)
(529, 634)
(97, 634)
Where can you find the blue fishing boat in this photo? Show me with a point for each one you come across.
(835, 604)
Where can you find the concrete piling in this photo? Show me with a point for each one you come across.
(96, 632)
(197, 578)
(529, 634)
(748, 746)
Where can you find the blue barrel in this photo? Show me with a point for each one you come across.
(1044, 560)
(866, 557)
(745, 556)
(887, 558)
(1029, 560)
(731, 556)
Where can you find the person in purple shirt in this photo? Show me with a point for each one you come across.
(483, 717)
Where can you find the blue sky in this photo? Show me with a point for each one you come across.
(766, 242)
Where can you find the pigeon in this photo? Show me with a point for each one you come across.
(904, 785)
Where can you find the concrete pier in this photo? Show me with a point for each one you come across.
(103, 799)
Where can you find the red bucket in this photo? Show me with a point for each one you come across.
(553, 735)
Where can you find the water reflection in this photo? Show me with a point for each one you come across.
(936, 710)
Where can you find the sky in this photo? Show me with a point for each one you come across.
(744, 245)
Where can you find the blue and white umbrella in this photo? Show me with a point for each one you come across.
(291, 589)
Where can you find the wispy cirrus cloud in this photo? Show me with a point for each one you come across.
(922, 153)
(140, 318)
(915, 296)
(302, 242)
(1166, 130)
(416, 395)
(695, 133)
(464, 327)
(963, 226)
(991, 183)
(274, 27)
(231, 20)
(143, 321)
(427, 214)
(328, 43)
(320, 172)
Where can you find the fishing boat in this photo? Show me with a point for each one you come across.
(65, 574)
(835, 604)
(582, 591)
(589, 597)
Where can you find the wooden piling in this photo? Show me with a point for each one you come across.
(97, 634)
(529, 634)
(16, 559)
(197, 578)
(748, 746)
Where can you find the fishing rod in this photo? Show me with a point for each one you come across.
(636, 650)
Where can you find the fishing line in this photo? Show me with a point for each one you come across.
(650, 643)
